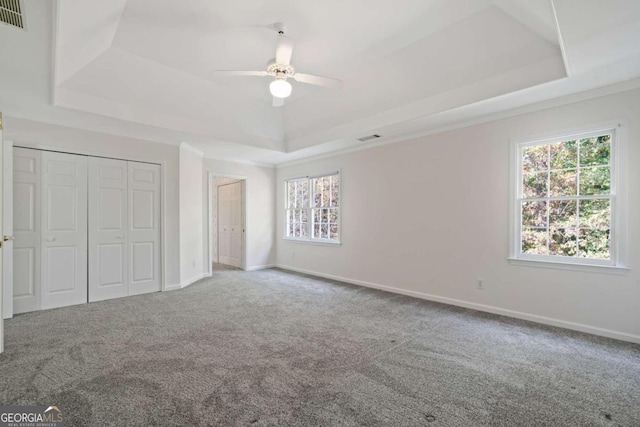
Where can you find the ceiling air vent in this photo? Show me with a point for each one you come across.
(369, 137)
(11, 13)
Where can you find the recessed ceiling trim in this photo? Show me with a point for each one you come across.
(563, 49)
(572, 98)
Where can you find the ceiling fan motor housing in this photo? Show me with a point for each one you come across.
(279, 70)
(280, 28)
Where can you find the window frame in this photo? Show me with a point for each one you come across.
(617, 196)
(286, 208)
(309, 208)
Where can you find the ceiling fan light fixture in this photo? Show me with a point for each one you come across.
(280, 88)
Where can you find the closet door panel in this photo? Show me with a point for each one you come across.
(26, 230)
(143, 259)
(64, 230)
(230, 224)
(235, 236)
(108, 208)
(144, 228)
(224, 224)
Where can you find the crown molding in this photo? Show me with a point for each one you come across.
(514, 112)
(191, 148)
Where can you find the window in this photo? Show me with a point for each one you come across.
(298, 208)
(313, 208)
(566, 200)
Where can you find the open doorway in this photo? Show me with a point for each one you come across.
(227, 229)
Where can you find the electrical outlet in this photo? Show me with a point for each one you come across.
(193, 264)
(293, 254)
(479, 284)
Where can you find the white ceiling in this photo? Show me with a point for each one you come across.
(142, 68)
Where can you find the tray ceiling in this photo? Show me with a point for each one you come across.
(144, 66)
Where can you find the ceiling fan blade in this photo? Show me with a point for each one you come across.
(317, 80)
(240, 73)
(284, 50)
(277, 102)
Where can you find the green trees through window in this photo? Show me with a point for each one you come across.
(566, 200)
(298, 208)
(325, 204)
(312, 208)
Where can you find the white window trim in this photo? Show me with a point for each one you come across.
(619, 219)
(310, 239)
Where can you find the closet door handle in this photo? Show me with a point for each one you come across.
(50, 239)
(119, 237)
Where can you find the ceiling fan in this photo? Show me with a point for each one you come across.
(280, 69)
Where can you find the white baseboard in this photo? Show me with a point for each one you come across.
(260, 267)
(193, 280)
(172, 287)
(623, 336)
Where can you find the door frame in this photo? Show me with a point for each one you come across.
(2, 197)
(211, 176)
(163, 195)
(7, 217)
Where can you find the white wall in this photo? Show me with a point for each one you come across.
(76, 140)
(191, 218)
(186, 249)
(430, 215)
(261, 216)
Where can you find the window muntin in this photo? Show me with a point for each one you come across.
(297, 208)
(313, 208)
(325, 203)
(566, 199)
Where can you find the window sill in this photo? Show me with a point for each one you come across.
(312, 242)
(587, 268)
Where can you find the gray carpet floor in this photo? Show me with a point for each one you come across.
(273, 348)
(218, 267)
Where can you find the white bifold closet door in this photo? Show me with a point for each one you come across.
(230, 224)
(144, 228)
(124, 228)
(86, 229)
(64, 229)
(108, 258)
(26, 230)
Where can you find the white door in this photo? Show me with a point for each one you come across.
(1, 300)
(230, 226)
(7, 229)
(26, 230)
(224, 213)
(64, 230)
(236, 225)
(144, 228)
(108, 271)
